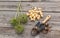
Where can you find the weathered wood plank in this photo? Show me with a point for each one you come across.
(7, 31)
(15, 0)
(29, 0)
(19, 0)
(11, 32)
(50, 0)
(7, 36)
(54, 0)
(7, 15)
(46, 6)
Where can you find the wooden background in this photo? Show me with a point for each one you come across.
(8, 10)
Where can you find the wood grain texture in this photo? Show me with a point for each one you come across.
(19, 0)
(11, 0)
(5, 16)
(30, 0)
(6, 30)
(8, 10)
(46, 6)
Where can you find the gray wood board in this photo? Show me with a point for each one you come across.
(30, 0)
(5, 16)
(6, 30)
(8, 10)
(46, 6)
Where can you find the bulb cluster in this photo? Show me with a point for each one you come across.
(35, 14)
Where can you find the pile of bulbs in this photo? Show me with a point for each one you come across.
(35, 14)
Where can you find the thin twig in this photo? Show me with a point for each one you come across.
(19, 7)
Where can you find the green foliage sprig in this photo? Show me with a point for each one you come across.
(18, 21)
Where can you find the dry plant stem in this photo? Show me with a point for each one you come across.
(18, 10)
